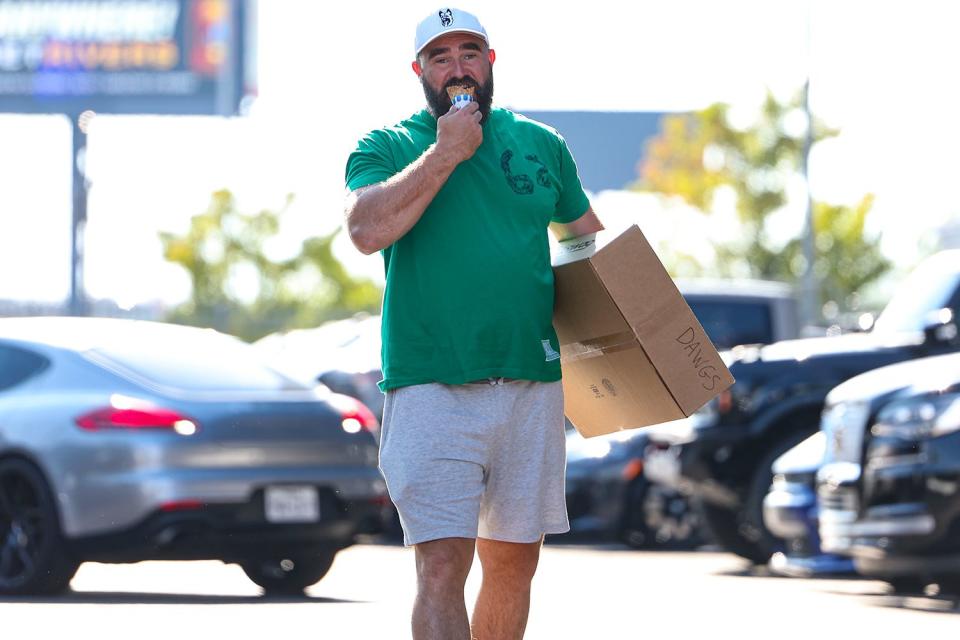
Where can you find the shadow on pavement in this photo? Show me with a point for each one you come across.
(747, 570)
(594, 542)
(132, 597)
(930, 604)
(588, 546)
(931, 601)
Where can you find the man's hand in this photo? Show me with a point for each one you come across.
(380, 214)
(459, 133)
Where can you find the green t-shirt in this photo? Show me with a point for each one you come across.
(469, 289)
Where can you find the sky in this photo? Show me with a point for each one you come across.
(882, 72)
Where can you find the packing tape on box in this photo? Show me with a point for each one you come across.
(597, 346)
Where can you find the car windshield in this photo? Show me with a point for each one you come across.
(925, 291)
(191, 360)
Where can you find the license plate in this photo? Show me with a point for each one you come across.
(292, 504)
(844, 425)
(662, 466)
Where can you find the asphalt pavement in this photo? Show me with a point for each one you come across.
(594, 592)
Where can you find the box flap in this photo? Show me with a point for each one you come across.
(620, 263)
(586, 318)
(664, 324)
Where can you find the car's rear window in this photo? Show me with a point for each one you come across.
(192, 360)
(729, 323)
(19, 365)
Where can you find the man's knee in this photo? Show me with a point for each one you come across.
(444, 563)
(511, 561)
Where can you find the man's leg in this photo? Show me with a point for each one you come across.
(439, 612)
(504, 600)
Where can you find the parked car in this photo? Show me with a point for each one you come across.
(891, 497)
(344, 355)
(791, 513)
(739, 312)
(778, 397)
(123, 441)
(607, 494)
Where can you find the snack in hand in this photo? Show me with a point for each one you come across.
(460, 95)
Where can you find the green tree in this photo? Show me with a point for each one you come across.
(846, 260)
(697, 155)
(238, 289)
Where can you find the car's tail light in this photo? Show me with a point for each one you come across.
(354, 415)
(130, 413)
(632, 469)
(725, 401)
(358, 417)
(181, 505)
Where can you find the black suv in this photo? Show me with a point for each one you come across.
(724, 455)
(889, 493)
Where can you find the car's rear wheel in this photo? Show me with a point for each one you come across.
(728, 529)
(288, 575)
(741, 529)
(33, 556)
(659, 517)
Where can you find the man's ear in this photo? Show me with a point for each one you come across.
(492, 55)
(416, 68)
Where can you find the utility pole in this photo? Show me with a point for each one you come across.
(810, 294)
(80, 123)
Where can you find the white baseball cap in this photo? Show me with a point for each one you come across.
(447, 20)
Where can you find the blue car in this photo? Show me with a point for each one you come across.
(791, 513)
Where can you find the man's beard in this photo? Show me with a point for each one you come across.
(438, 103)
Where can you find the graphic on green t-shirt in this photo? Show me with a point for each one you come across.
(469, 289)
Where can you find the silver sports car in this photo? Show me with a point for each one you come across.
(124, 440)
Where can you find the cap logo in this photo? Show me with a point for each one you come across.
(446, 17)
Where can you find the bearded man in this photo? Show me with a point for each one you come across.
(459, 198)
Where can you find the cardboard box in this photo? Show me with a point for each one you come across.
(633, 353)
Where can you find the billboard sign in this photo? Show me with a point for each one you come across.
(123, 56)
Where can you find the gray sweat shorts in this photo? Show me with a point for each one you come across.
(476, 460)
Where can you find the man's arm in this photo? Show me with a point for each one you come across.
(380, 214)
(587, 223)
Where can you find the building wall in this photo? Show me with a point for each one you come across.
(607, 145)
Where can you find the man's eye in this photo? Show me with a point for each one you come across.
(441, 60)
(470, 56)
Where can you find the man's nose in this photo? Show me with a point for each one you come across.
(458, 68)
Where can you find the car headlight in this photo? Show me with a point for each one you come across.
(920, 417)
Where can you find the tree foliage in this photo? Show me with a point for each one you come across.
(696, 156)
(237, 288)
(846, 260)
